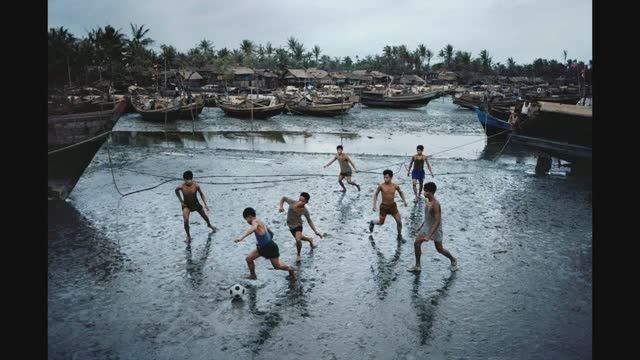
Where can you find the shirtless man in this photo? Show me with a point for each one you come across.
(294, 220)
(417, 161)
(190, 203)
(345, 170)
(388, 205)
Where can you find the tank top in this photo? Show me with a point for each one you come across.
(264, 239)
(428, 223)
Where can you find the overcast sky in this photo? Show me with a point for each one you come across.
(522, 29)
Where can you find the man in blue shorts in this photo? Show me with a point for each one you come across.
(417, 161)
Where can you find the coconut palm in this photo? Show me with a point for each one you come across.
(247, 47)
(316, 52)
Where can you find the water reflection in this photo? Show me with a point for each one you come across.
(491, 151)
(426, 307)
(385, 273)
(293, 301)
(76, 246)
(194, 268)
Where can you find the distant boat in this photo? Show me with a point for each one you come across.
(491, 124)
(468, 100)
(401, 101)
(171, 113)
(249, 109)
(306, 108)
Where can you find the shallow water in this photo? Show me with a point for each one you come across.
(123, 284)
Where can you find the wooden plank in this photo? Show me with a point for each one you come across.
(575, 110)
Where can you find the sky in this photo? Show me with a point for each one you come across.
(522, 29)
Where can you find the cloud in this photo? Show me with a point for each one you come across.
(522, 29)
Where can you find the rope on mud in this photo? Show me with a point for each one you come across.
(80, 143)
(298, 176)
(113, 177)
(473, 142)
(230, 176)
(503, 146)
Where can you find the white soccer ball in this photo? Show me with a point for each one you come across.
(237, 292)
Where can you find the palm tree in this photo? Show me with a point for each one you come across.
(298, 52)
(206, 50)
(268, 49)
(61, 45)
(282, 58)
(292, 44)
(169, 53)
(347, 62)
(442, 55)
(386, 51)
(429, 55)
(335, 64)
(238, 56)
(486, 60)
(138, 36)
(448, 54)
(422, 53)
(260, 53)
(137, 55)
(564, 54)
(224, 52)
(247, 47)
(511, 66)
(110, 45)
(325, 60)
(316, 53)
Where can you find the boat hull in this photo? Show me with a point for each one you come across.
(256, 113)
(399, 102)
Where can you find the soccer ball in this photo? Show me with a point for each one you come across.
(237, 292)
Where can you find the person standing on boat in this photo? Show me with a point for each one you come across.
(265, 246)
(431, 228)
(294, 220)
(388, 205)
(345, 170)
(417, 161)
(190, 203)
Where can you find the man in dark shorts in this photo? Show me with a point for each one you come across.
(417, 161)
(294, 220)
(345, 170)
(190, 203)
(388, 205)
(266, 247)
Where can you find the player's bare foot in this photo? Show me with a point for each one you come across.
(250, 277)
(292, 275)
(414, 269)
(188, 240)
(212, 228)
(298, 258)
(358, 186)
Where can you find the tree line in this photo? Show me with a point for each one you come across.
(112, 55)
